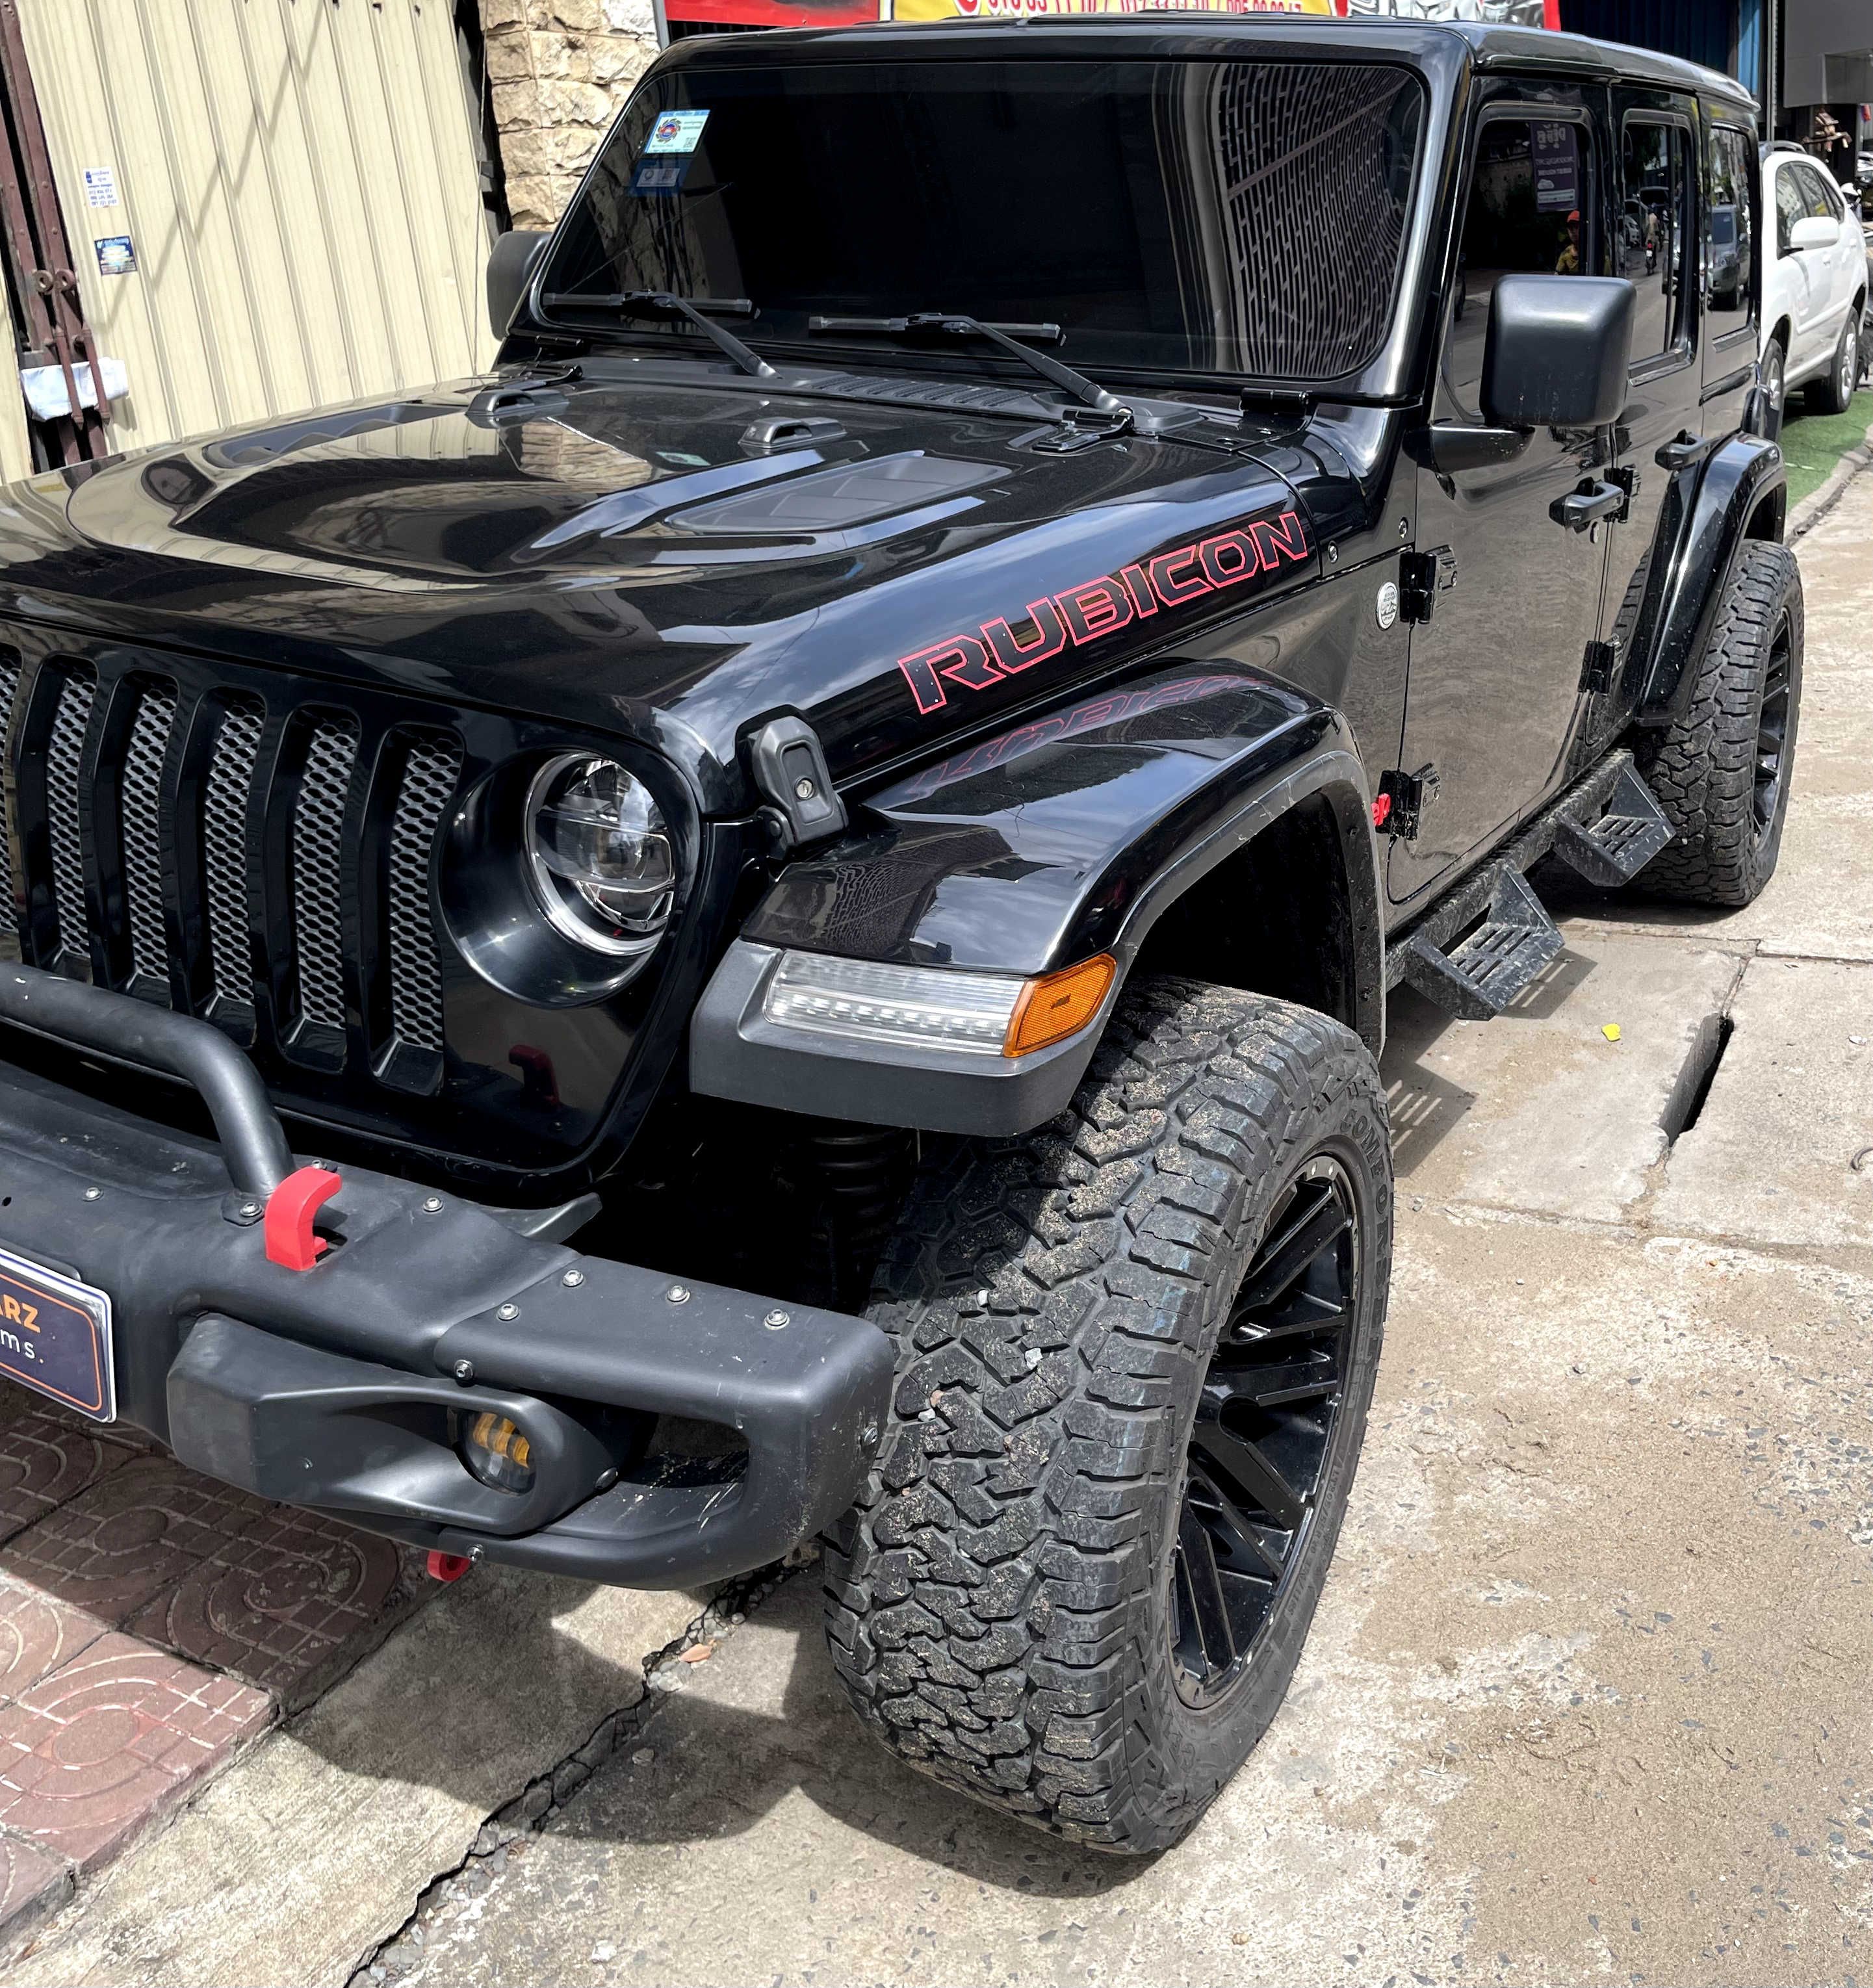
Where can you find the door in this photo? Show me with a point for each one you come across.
(1731, 246)
(1798, 272)
(1656, 249)
(273, 204)
(1835, 275)
(1494, 674)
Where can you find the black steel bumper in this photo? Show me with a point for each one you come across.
(344, 1388)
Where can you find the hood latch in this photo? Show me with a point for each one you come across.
(789, 765)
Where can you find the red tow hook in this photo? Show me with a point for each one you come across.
(448, 1566)
(290, 1242)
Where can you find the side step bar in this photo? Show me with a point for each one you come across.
(1607, 827)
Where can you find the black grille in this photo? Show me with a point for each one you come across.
(64, 757)
(260, 856)
(431, 772)
(9, 692)
(318, 875)
(141, 817)
(225, 797)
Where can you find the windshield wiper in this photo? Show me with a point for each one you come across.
(1088, 392)
(675, 306)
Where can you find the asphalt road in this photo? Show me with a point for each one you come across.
(1586, 1695)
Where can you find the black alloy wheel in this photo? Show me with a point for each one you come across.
(1264, 1425)
(1772, 734)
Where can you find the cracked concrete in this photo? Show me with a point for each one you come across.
(1586, 1698)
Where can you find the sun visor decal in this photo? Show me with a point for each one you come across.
(1094, 609)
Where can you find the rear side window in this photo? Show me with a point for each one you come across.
(1818, 198)
(1790, 209)
(1729, 236)
(1650, 248)
(1529, 187)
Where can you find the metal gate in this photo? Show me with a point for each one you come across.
(273, 204)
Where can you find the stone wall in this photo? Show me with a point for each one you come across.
(558, 70)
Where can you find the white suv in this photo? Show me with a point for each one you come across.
(1814, 287)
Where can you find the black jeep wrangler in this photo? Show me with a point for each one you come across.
(776, 917)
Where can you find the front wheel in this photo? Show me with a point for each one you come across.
(1135, 1350)
(1771, 372)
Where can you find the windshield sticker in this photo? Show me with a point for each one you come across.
(659, 176)
(677, 131)
(1096, 608)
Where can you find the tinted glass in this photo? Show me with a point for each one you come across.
(1649, 248)
(1234, 218)
(1818, 198)
(1729, 241)
(1789, 208)
(1529, 184)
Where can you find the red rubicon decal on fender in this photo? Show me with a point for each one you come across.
(1096, 608)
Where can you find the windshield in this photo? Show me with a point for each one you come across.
(1244, 219)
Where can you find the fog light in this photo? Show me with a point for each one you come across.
(497, 1453)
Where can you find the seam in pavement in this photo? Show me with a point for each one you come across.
(545, 1795)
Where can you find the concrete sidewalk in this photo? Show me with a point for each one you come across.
(1586, 1696)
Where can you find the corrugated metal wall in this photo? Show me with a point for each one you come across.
(299, 184)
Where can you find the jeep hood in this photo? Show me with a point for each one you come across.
(673, 557)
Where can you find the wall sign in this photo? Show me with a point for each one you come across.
(100, 187)
(115, 255)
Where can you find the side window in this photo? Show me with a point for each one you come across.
(1529, 185)
(1729, 240)
(1819, 200)
(1789, 208)
(1650, 248)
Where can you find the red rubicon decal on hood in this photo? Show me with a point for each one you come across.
(1096, 608)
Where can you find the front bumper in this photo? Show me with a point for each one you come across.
(343, 1388)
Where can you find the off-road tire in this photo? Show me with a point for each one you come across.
(1703, 769)
(998, 1600)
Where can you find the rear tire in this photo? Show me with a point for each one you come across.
(1721, 773)
(1832, 392)
(1061, 1592)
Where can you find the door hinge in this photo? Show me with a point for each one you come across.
(1423, 576)
(1402, 799)
(1600, 667)
(1627, 479)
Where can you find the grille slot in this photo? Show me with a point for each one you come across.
(64, 755)
(141, 816)
(319, 883)
(431, 769)
(226, 863)
(9, 691)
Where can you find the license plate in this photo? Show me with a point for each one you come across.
(55, 1337)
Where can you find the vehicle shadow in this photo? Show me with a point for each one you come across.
(765, 1723)
(1426, 1106)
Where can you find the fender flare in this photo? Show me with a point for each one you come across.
(1067, 837)
(1735, 482)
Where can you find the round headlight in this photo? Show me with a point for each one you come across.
(599, 855)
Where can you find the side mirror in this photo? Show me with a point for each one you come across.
(1557, 351)
(1814, 231)
(510, 269)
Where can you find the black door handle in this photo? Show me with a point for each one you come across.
(1589, 506)
(1684, 451)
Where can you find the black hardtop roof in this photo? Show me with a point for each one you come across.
(1176, 30)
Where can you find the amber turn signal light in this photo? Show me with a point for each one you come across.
(1058, 1005)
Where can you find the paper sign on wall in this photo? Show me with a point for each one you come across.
(116, 256)
(100, 187)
